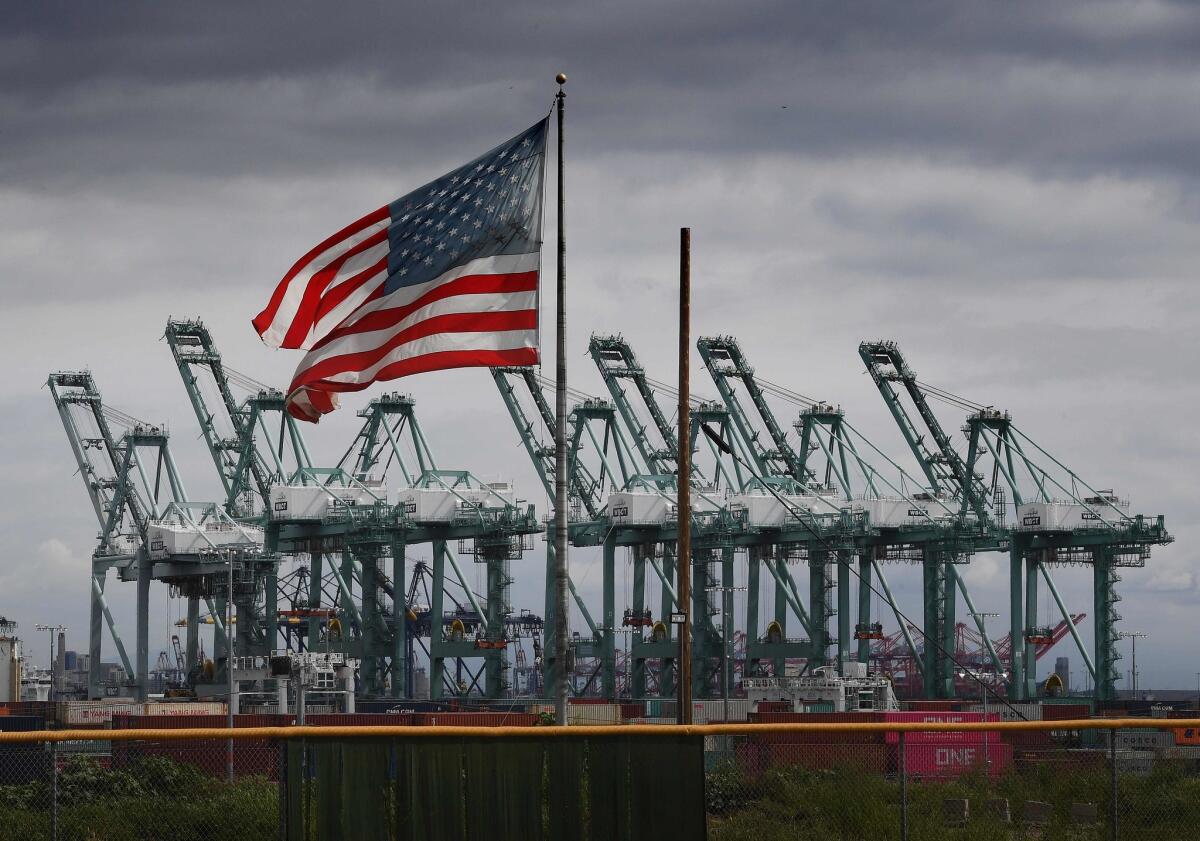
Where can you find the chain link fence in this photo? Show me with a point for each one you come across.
(761, 782)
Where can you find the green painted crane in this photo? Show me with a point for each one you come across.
(834, 460)
(1002, 463)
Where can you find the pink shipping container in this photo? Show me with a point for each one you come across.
(940, 737)
(947, 762)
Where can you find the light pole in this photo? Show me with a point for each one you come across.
(982, 617)
(981, 677)
(53, 629)
(229, 669)
(726, 633)
(1134, 636)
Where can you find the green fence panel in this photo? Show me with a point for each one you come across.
(566, 789)
(364, 796)
(403, 791)
(294, 790)
(608, 788)
(504, 789)
(327, 761)
(666, 781)
(438, 795)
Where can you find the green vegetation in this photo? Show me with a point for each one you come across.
(799, 804)
(157, 798)
(154, 798)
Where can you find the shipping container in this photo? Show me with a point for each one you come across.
(754, 758)
(1140, 763)
(21, 724)
(122, 721)
(1063, 712)
(593, 714)
(360, 720)
(704, 712)
(461, 719)
(1139, 739)
(1010, 711)
(948, 761)
(183, 708)
(399, 705)
(960, 737)
(77, 713)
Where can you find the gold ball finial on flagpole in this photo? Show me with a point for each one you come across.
(561, 78)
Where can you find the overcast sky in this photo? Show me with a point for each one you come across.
(1009, 190)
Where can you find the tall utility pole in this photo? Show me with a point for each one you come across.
(562, 635)
(683, 714)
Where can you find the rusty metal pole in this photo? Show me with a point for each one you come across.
(562, 631)
(684, 553)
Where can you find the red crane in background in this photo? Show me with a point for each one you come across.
(891, 655)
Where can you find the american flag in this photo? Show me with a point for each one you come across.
(444, 277)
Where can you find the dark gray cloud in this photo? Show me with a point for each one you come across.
(1011, 190)
(1070, 87)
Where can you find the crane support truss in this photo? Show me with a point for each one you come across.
(1001, 463)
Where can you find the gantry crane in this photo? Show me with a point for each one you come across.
(315, 513)
(1059, 518)
(147, 531)
(658, 444)
(601, 462)
(906, 520)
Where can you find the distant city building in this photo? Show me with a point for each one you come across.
(10, 662)
(1062, 668)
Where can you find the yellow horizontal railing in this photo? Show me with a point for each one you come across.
(393, 731)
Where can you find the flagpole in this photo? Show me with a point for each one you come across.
(562, 635)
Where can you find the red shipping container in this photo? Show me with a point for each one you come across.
(360, 720)
(475, 719)
(933, 706)
(946, 762)
(962, 737)
(1063, 712)
(177, 722)
(632, 711)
